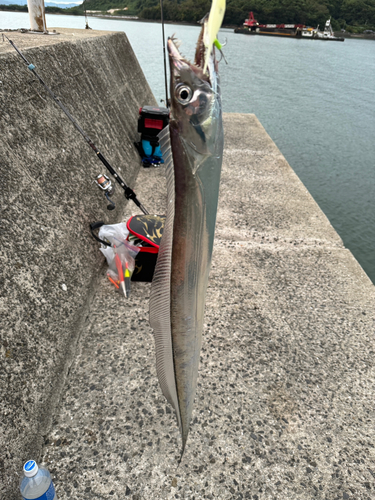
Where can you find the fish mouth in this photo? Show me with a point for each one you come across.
(200, 51)
(179, 62)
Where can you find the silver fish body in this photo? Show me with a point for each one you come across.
(192, 149)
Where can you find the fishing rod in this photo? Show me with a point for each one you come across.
(129, 193)
(164, 55)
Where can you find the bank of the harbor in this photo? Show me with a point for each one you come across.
(49, 261)
(286, 386)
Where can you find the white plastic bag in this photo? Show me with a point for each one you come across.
(120, 255)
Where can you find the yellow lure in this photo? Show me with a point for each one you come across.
(212, 26)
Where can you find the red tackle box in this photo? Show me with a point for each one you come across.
(145, 231)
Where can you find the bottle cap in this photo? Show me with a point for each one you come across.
(30, 468)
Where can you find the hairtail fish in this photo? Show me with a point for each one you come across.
(192, 149)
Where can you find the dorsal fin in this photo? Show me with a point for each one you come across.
(160, 315)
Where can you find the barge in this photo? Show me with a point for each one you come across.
(252, 27)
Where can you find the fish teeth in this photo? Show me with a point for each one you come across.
(176, 41)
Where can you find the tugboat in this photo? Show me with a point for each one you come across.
(328, 34)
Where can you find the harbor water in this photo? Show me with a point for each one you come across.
(316, 99)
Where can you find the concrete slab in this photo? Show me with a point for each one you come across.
(284, 408)
(56, 36)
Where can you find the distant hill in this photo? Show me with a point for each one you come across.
(346, 14)
(116, 7)
(351, 15)
(355, 16)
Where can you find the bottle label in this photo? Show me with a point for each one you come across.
(48, 495)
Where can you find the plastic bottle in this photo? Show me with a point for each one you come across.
(37, 483)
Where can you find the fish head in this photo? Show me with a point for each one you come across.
(195, 98)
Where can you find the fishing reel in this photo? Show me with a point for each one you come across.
(104, 183)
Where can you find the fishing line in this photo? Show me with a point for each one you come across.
(129, 193)
(164, 55)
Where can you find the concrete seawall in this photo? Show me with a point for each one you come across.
(47, 202)
(284, 408)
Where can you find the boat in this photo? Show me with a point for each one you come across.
(308, 32)
(328, 33)
(252, 27)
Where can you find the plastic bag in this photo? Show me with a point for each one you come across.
(120, 255)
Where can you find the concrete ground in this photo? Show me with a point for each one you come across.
(285, 402)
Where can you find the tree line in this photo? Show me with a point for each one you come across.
(352, 15)
(344, 13)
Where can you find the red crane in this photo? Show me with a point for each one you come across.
(252, 22)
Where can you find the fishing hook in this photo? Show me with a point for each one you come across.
(222, 56)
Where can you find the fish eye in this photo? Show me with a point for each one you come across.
(184, 94)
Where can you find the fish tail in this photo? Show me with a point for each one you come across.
(184, 440)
